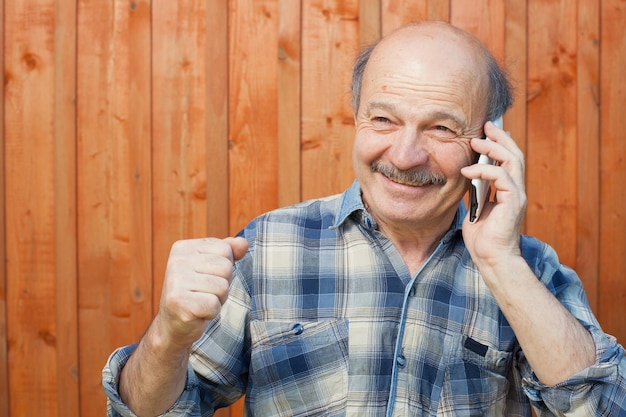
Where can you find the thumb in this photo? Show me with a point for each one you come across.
(238, 245)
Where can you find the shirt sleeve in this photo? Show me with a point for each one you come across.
(597, 390)
(186, 405)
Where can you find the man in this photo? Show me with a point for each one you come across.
(384, 300)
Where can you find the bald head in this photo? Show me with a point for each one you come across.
(438, 45)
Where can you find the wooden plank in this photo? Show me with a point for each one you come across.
(588, 204)
(396, 13)
(30, 216)
(484, 19)
(611, 308)
(369, 21)
(179, 85)
(253, 109)
(330, 42)
(289, 59)
(217, 118)
(65, 244)
(552, 111)
(4, 359)
(439, 10)
(515, 62)
(113, 167)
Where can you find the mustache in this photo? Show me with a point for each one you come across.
(414, 177)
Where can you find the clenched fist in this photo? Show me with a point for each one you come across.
(197, 281)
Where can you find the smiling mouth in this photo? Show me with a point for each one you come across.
(409, 183)
(412, 178)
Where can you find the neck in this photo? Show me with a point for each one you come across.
(415, 244)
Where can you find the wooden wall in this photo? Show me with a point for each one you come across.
(128, 124)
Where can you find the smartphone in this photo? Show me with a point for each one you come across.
(479, 189)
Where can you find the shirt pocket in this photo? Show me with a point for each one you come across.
(298, 368)
(475, 382)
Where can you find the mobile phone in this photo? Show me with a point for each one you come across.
(479, 189)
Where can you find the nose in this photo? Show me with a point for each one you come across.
(409, 149)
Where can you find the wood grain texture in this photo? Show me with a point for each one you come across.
(370, 24)
(516, 64)
(179, 129)
(588, 162)
(253, 110)
(552, 145)
(612, 289)
(65, 242)
(485, 19)
(396, 13)
(4, 319)
(217, 118)
(330, 42)
(30, 212)
(113, 165)
(288, 102)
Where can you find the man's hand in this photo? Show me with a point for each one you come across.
(538, 319)
(495, 235)
(197, 280)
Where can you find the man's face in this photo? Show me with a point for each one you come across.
(420, 104)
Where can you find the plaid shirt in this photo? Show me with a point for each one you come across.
(324, 319)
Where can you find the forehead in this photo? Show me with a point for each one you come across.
(438, 62)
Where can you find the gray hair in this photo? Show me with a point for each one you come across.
(499, 95)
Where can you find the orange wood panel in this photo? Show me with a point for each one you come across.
(552, 111)
(67, 384)
(370, 12)
(217, 118)
(253, 109)
(179, 132)
(288, 96)
(485, 19)
(330, 42)
(611, 306)
(400, 12)
(30, 213)
(113, 165)
(397, 13)
(515, 61)
(588, 203)
(4, 360)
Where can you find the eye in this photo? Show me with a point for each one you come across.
(442, 132)
(380, 119)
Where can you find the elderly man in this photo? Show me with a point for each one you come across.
(386, 299)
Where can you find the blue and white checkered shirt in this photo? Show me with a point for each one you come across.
(324, 319)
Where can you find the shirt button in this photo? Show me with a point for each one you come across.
(401, 361)
(297, 329)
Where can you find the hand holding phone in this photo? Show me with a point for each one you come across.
(479, 188)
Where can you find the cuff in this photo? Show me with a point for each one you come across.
(583, 390)
(186, 405)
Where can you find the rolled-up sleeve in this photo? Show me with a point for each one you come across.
(186, 405)
(599, 390)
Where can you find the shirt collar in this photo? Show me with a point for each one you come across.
(351, 202)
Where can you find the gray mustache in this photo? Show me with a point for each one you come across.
(411, 177)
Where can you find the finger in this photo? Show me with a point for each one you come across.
(503, 138)
(238, 246)
(506, 158)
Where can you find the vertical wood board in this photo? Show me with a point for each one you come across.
(330, 43)
(30, 222)
(253, 109)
